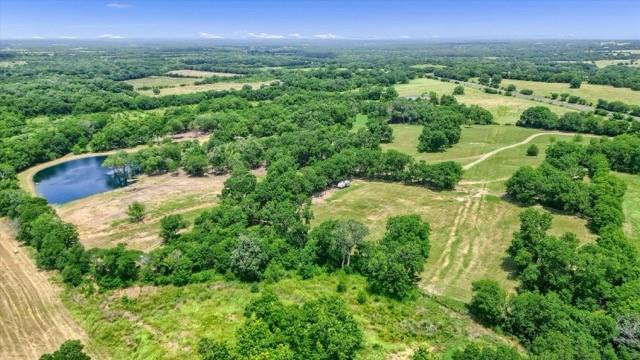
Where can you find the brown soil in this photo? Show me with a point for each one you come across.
(33, 319)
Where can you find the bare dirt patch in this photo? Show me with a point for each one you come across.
(33, 319)
(101, 219)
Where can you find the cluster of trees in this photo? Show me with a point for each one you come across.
(540, 117)
(559, 183)
(56, 242)
(534, 69)
(320, 329)
(618, 106)
(622, 152)
(69, 350)
(571, 99)
(573, 302)
(442, 118)
(618, 76)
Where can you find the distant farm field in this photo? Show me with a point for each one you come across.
(587, 91)
(471, 228)
(178, 90)
(200, 73)
(159, 81)
(505, 109)
(603, 63)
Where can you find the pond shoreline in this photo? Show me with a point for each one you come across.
(25, 177)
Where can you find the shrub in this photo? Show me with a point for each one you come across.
(458, 90)
(136, 212)
(526, 92)
(69, 350)
(488, 302)
(361, 298)
(533, 150)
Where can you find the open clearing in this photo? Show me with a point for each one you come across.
(160, 81)
(33, 320)
(187, 89)
(477, 141)
(102, 221)
(586, 91)
(631, 206)
(200, 73)
(604, 63)
(471, 228)
(505, 109)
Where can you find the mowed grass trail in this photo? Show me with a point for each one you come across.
(590, 92)
(631, 206)
(503, 164)
(470, 228)
(505, 109)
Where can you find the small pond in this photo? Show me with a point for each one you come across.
(75, 179)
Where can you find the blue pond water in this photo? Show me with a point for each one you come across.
(75, 179)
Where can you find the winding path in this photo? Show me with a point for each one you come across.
(523, 142)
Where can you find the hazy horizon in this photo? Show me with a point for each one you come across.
(407, 20)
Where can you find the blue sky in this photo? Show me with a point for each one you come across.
(348, 19)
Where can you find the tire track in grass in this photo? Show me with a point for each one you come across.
(33, 318)
(432, 283)
(468, 240)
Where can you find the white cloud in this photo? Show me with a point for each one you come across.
(119, 5)
(265, 36)
(67, 37)
(110, 36)
(295, 35)
(206, 35)
(326, 36)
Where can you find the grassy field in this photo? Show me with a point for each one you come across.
(187, 89)
(603, 63)
(505, 109)
(160, 81)
(470, 228)
(631, 206)
(200, 73)
(503, 164)
(587, 91)
(474, 141)
(423, 66)
(10, 64)
(167, 322)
